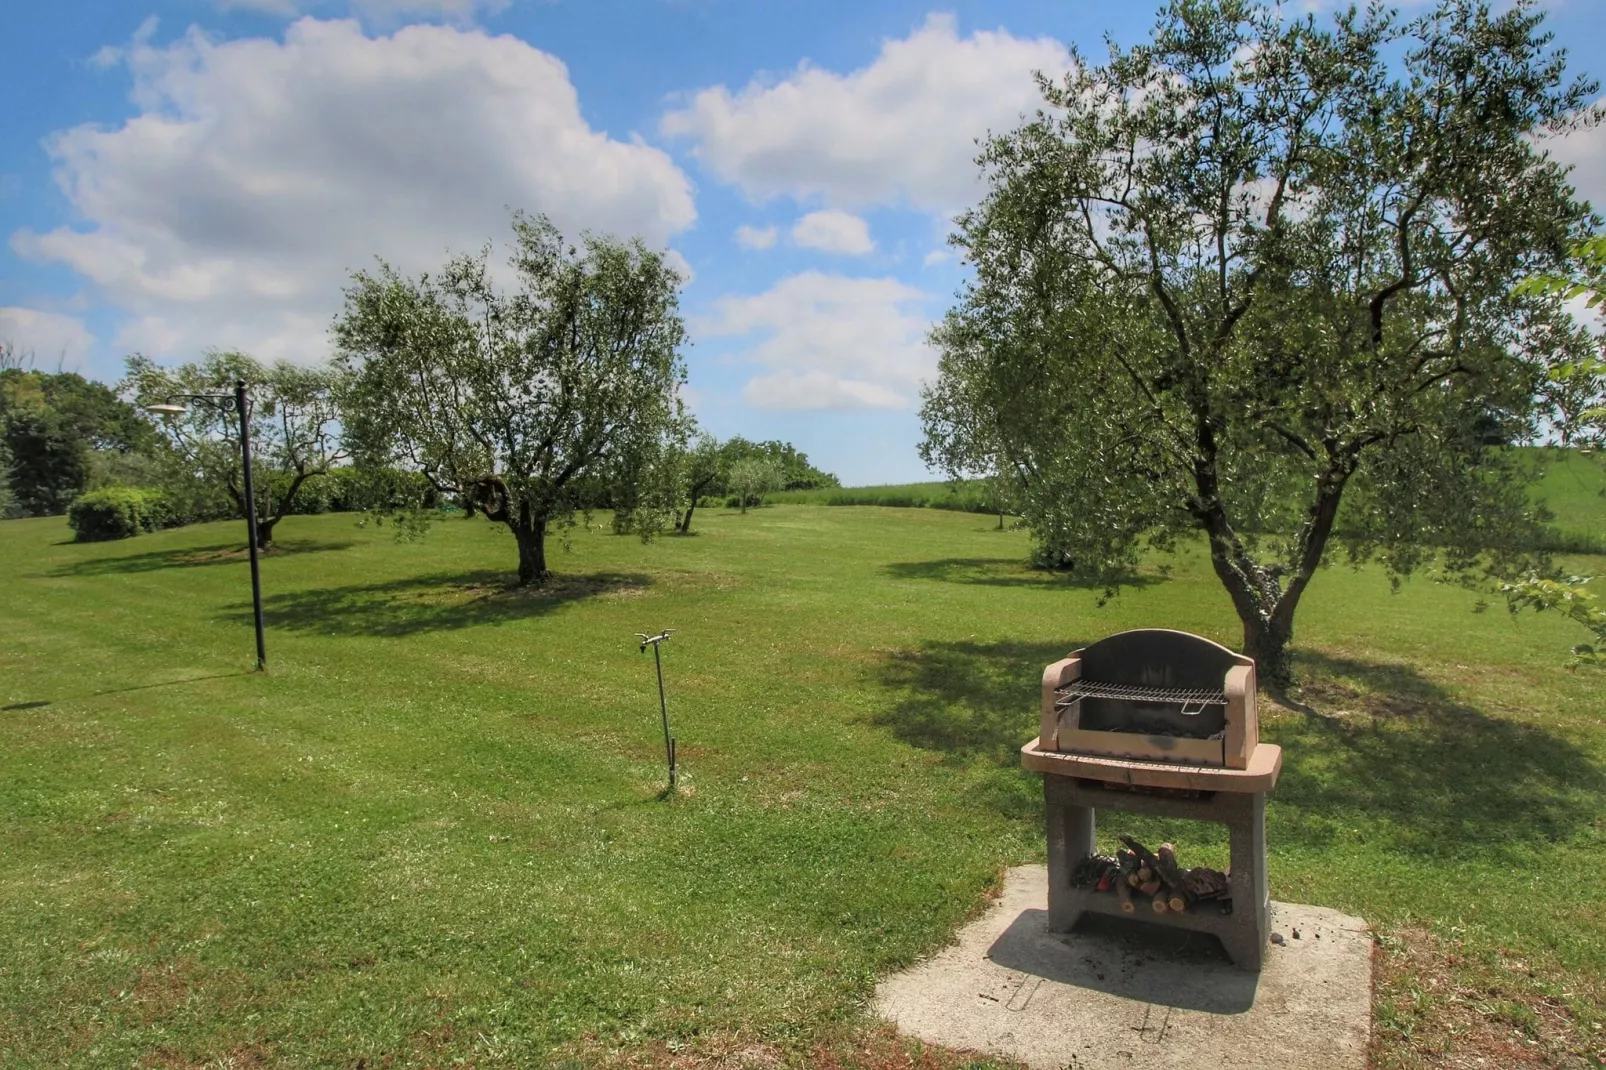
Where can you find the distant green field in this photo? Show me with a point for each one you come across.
(965, 497)
(1573, 487)
(433, 833)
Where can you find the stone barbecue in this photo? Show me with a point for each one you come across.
(1158, 722)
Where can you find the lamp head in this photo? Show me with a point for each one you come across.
(167, 408)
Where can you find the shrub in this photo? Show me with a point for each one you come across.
(119, 513)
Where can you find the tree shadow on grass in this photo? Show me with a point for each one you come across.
(224, 553)
(1383, 749)
(1005, 572)
(975, 704)
(436, 602)
(1375, 753)
(967, 700)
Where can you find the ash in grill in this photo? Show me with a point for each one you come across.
(1173, 716)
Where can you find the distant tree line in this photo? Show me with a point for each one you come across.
(530, 406)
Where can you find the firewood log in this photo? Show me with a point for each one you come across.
(1123, 894)
(1177, 900)
(1150, 887)
(1145, 856)
(1160, 904)
(1145, 874)
(1128, 863)
(1166, 861)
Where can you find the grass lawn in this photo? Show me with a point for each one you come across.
(433, 833)
(1573, 487)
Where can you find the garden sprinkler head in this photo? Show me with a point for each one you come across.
(653, 640)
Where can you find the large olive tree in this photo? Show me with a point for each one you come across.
(523, 403)
(1259, 266)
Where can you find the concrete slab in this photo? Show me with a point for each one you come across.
(1123, 994)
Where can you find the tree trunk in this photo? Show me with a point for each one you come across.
(1267, 642)
(531, 537)
(265, 531)
(685, 521)
(1265, 607)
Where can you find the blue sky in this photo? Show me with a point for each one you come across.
(189, 174)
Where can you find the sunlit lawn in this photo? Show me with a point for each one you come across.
(434, 830)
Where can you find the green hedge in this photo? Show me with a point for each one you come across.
(119, 513)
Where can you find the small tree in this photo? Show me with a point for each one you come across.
(704, 473)
(650, 497)
(1252, 265)
(793, 467)
(1574, 390)
(522, 403)
(293, 422)
(753, 477)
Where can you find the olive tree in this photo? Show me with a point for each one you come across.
(1257, 267)
(753, 477)
(704, 473)
(522, 402)
(293, 422)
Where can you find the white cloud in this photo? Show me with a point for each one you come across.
(106, 57)
(755, 237)
(681, 266)
(1584, 149)
(259, 173)
(937, 256)
(49, 336)
(901, 130)
(829, 342)
(833, 231)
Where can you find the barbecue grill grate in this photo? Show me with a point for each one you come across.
(1193, 700)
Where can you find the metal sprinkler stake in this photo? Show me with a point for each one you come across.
(655, 641)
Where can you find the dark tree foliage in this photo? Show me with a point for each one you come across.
(1258, 267)
(796, 473)
(49, 460)
(51, 424)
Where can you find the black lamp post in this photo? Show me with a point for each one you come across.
(240, 404)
